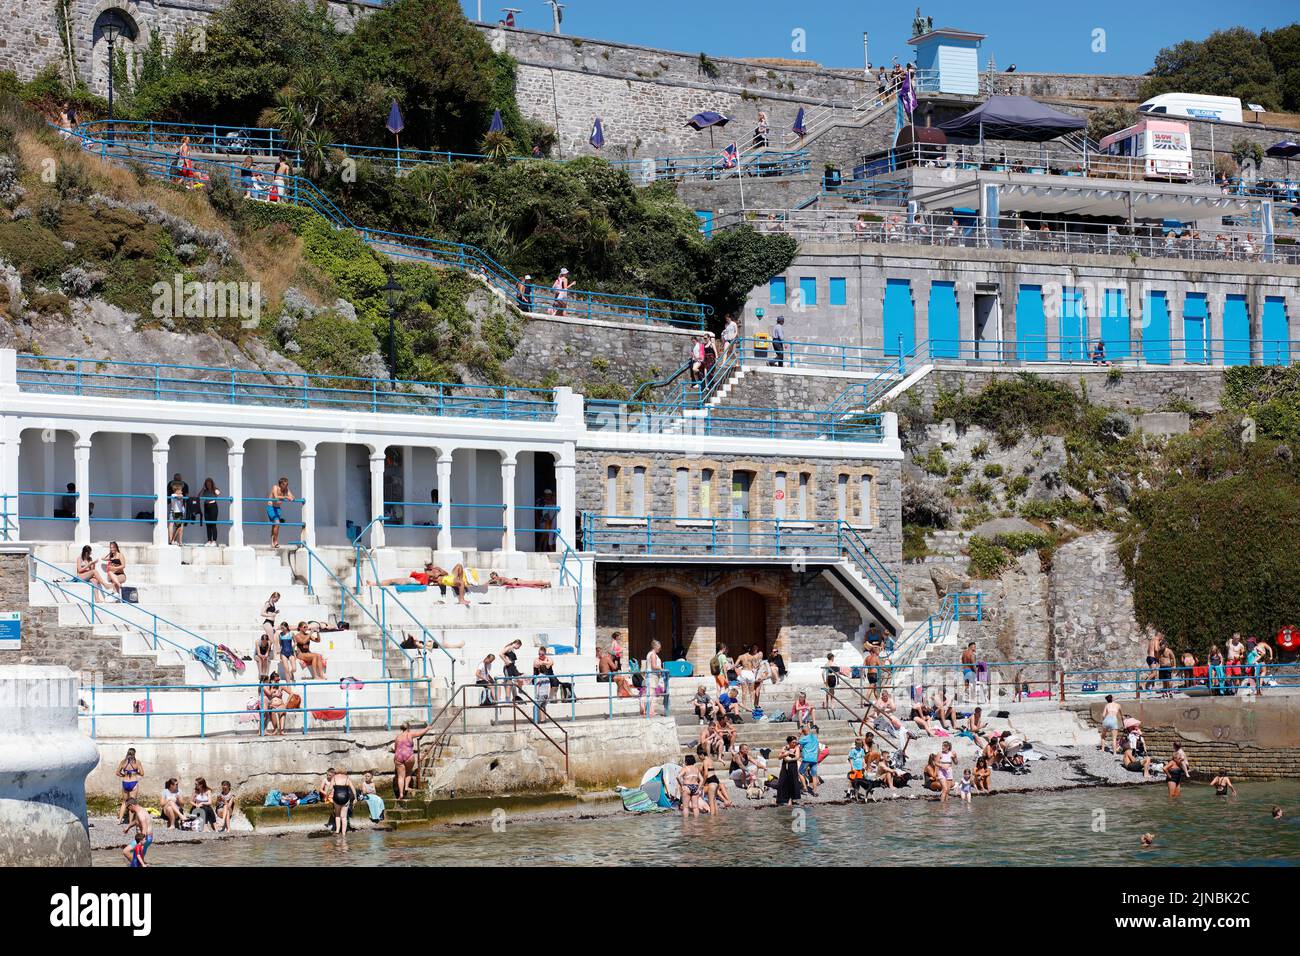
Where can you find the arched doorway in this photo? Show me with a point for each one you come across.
(654, 615)
(742, 620)
(121, 27)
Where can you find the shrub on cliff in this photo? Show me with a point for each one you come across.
(1210, 557)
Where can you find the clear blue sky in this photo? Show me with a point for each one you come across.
(1039, 36)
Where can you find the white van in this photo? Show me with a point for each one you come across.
(1225, 109)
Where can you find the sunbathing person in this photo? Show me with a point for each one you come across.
(499, 581)
(431, 571)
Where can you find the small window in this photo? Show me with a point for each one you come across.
(808, 290)
(778, 497)
(803, 495)
(706, 492)
(683, 501)
(611, 490)
(839, 291)
(842, 497)
(864, 501)
(638, 491)
(776, 291)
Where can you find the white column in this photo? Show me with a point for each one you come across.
(81, 475)
(377, 498)
(235, 467)
(566, 500)
(444, 501)
(160, 449)
(307, 471)
(508, 499)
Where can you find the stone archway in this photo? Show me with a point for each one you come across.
(132, 36)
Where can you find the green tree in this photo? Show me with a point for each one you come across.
(1110, 119)
(1232, 62)
(1283, 48)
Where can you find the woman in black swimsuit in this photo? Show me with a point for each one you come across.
(344, 794)
(713, 788)
(510, 654)
(788, 787)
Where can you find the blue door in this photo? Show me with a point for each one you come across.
(1236, 331)
(1074, 326)
(1155, 334)
(1195, 316)
(1031, 325)
(900, 317)
(1114, 325)
(706, 222)
(944, 331)
(1276, 332)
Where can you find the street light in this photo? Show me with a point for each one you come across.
(392, 289)
(111, 31)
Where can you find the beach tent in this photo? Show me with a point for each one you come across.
(660, 784)
(1011, 117)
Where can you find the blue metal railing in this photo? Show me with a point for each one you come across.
(731, 421)
(262, 715)
(571, 573)
(959, 606)
(194, 383)
(8, 517)
(298, 190)
(780, 538)
(99, 609)
(345, 595)
(1224, 679)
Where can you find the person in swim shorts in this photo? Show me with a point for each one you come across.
(279, 492)
(968, 668)
(138, 818)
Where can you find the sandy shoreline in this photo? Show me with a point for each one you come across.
(1068, 768)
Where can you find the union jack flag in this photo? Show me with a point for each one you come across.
(730, 156)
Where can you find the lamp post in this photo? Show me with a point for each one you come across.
(111, 30)
(392, 289)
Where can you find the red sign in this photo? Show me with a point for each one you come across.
(780, 496)
(1288, 638)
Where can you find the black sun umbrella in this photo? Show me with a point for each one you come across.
(707, 120)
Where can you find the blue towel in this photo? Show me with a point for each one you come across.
(272, 799)
(376, 803)
(313, 797)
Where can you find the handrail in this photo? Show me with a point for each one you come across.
(568, 554)
(203, 713)
(345, 596)
(302, 191)
(358, 549)
(33, 561)
(685, 367)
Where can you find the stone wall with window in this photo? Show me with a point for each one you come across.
(697, 493)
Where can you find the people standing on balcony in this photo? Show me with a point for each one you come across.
(524, 294)
(175, 515)
(208, 498)
(279, 493)
(560, 292)
(778, 341)
(761, 131)
(86, 568)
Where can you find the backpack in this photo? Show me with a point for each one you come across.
(715, 667)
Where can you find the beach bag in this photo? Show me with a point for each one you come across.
(130, 595)
(142, 706)
(294, 702)
(715, 667)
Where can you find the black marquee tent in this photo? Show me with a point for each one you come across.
(1011, 117)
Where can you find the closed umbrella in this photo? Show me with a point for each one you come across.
(799, 128)
(395, 125)
(597, 134)
(497, 126)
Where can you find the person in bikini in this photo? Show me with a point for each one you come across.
(225, 805)
(115, 568)
(1177, 770)
(1222, 784)
(948, 761)
(498, 581)
(428, 576)
(130, 771)
(692, 784)
(86, 569)
(314, 661)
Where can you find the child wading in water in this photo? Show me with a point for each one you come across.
(967, 786)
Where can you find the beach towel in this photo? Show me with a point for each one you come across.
(272, 799)
(204, 655)
(376, 804)
(312, 797)
(406, 588)
(636, 800)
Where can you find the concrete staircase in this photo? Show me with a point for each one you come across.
(190, 596)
